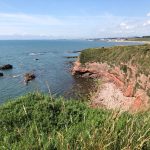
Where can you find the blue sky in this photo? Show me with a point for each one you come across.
(74, 18)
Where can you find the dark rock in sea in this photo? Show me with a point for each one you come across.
(28, 77)
(77, 51)
(1, 74)
(6, 67)
(36, 59)
(71, 57)
(74, 51)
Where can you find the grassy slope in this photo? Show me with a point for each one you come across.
(140, 55)
(36, 121)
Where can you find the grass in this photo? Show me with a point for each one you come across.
(137, 55)
(37, 122)
(140, 39)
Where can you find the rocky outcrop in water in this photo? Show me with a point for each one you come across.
(28, 77)
(6, 67)
(1, 74)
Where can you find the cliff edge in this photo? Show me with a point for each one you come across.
(124, 71)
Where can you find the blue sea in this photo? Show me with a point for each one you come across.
(52, 67)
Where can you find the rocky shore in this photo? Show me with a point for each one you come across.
(121, 89)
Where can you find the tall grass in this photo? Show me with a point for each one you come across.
(37, 121)
(137, 55)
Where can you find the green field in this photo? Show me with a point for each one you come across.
(146, 38)
(36, 121)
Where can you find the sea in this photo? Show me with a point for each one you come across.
(50, 61)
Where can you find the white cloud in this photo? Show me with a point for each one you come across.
(148, 14)
(126, 26)
(25, 19)
(123, 24)
(20, 24)
(147, 23)
(29, 25)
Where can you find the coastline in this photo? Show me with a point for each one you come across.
(117, 90)
(122, 41)
(142, 42)
(41, 121)
(125, 41)
(111, 93)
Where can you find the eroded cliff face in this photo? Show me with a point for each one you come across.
(123, 86)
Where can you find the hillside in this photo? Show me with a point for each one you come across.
(37, 121)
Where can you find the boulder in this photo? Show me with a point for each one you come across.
(28, 77)
(5, 67)
(1, 74)
(36, 59)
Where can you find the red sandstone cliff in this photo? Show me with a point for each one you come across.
(121, 89)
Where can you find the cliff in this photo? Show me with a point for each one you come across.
(124, 71)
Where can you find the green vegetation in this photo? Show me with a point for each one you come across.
(124, 68)
(38, 122)
(144, 38)
(138, 55)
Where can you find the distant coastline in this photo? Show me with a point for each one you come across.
(130, 41)
(142, 40)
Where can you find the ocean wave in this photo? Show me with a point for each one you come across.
(35, 54)
(15, 76)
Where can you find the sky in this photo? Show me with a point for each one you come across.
(73, 19)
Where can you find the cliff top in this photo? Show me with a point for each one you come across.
(138, 55)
